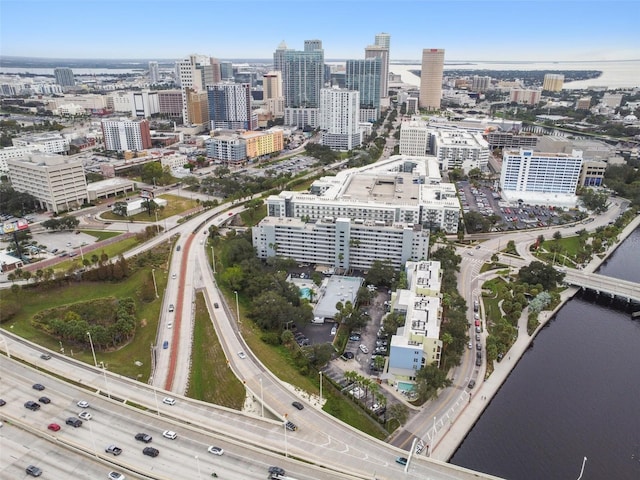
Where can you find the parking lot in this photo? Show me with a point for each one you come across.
(487, 201)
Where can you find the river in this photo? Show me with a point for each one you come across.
(575, 393)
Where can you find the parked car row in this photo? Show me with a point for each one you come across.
(301, 339)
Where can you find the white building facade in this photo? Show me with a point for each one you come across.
(340, 118)
(144, 104)
(124, 134)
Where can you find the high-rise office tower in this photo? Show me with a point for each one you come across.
(226, 71)
(272, 84)
(64, 77)
(190, 77)
(339, 118)
(278, 57)
(230, 106)
(381, 50)
(126, 134)
(154, 73)
(365, 77)
(431, 78)
(312, 45)
(303, 76)
(216, 74)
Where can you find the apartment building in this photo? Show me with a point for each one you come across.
(417, 343)
(227, 148)
(170, 103)
(365, 76)
(459, 149)
(553, 82)
(259, 144)
(398, 189)
(43, 142)
(124, 134)
(56, 181)
(340, 118)
(525, 96)
(341, 242)
(230, 107)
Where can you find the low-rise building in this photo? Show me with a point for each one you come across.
(43, 142)
(109, 188)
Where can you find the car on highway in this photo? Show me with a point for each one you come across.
(2, 402)
(45, 356)
(470, 345)
(242, 355)
(83, 404)
(215, 305)
(477, 323)
(165, 344)
(31, 405)
(74, 422)
(54, 427)
(478, 362)
(143, 437)
(174, 276)
(215, 450)
(84, 415)
(298, 405)
(45, 400)
(401, 460)
(169, 401)
(171, 435)
(363, 348)
(38, 386)
(150, 451)
(276, 471)
(113, 449)
(169, 324)
(477, 337)
(171, 307)
(478, 329)
(33, 471)
(471, 384)
(115, 476)
(291, 426)
(478, 346)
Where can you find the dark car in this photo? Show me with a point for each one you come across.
(45, 400)
(276, 471)
(348, 355)
(45, 356)
(478, 361)
(215, 305)
(33, 471)
(472, 384)
(74, 422)
(150, 451)
(143, 437)
(31, 405)
(291, 426)
(2, 403)
(165, 344)
(38, 386)
(298, 405)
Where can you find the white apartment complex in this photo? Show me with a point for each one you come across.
(540, 178)
(144, 104)
(341, 242)
(56, 181)
(124, 134)
(417, 343)
(43, 142)
(400, 189)
(414, 139)
(340, 118)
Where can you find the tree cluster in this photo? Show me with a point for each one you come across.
(16, 203)
(107, 271)
(540, 273)
(65, 222)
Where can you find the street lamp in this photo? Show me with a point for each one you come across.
(198, 465)
(155, 395)
(155, 285)
(237, 309)
(104, 374)
(320, 389)
(213, 260)
(261, 396)
(157, 224)
(286, 448)
(95, 362)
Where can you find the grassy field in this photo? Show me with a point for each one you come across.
(101, 234)
(112, 251)
(210, 378)
(175, 206)
(121, 360)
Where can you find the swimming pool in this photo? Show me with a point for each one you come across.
(406, 386)
(305, 292)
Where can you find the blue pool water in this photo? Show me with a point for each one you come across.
(305, 293)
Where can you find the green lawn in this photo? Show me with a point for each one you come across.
(175, 206)
(101, 234)
(112, 251)
(210, 378)
(121, 360)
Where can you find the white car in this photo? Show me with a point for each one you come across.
(470, 345)
(174, 276)
(241, 354)
(215, 450)
(115, 476)
(83, 404)
(170, 434)
(363, 348)
(84, 415)
(170, 325)
(169, 401)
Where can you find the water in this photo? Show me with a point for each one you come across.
(615, 74)
(575, 393)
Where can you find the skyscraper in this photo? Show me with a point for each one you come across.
(553, 82)
(431, 78)
(230, 106)
(303, 76)
(381, 50)
(64, 77)
(126, 134)
(189, 77)
(154, 73)
(365, 77)
(278, 57)
(339, 118)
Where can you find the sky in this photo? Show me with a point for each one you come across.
(515, 30)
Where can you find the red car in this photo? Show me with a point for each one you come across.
(54, 426)
(477, 323)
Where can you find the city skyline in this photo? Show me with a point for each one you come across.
(499, 30)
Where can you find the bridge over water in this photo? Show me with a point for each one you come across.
(614, 287)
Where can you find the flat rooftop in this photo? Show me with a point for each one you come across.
(389, 188)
